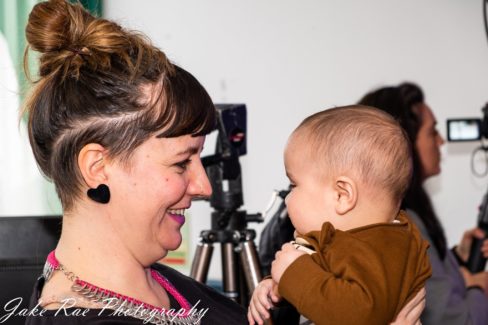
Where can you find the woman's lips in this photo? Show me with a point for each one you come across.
(178, 218)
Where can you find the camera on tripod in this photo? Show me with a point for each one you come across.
(240, 264)
(223, 168)
(468, 129)
(473, 129)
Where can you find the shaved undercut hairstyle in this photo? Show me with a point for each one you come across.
(100, 83)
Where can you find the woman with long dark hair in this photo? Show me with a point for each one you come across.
(454, 295)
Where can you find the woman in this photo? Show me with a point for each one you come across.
(119, 130)
(454, 295)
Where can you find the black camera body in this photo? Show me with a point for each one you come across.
(476, 261)
(468, 129)
(223, 168)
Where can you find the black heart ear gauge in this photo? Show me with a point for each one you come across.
(101, 194)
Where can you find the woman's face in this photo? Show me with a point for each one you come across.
(428, 141)
(151, 194)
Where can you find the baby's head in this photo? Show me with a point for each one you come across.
(348, 165)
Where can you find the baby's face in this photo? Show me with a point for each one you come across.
(311, 200)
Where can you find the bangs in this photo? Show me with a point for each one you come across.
(186, 107)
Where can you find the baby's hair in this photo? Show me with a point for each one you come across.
(361, 141)
(99, 83)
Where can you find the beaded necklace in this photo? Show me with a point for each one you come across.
(125, 305)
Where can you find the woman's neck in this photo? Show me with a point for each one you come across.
(90, 249)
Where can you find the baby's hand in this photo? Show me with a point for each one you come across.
(263, 297)
(283, 258)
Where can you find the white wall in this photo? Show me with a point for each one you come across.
(23, 191)
(287, 59)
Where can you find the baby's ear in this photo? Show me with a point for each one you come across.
(346, 194)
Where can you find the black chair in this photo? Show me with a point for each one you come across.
(25, 243)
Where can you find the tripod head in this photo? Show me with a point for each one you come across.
(224, 170)
(229, 224)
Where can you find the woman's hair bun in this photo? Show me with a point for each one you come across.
(68, 37)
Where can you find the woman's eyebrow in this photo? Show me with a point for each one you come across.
(188, 151)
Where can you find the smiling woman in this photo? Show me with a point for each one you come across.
(119, 129)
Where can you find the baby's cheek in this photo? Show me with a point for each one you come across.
(293, 216)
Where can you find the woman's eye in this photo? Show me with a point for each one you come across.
(183, 164)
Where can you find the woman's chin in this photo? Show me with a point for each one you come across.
(173, 244)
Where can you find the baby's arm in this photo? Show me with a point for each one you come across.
(263, 297)
(319, 294)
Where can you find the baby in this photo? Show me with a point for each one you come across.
(349, 168)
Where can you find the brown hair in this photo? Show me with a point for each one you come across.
(363, 141)
(99, 83)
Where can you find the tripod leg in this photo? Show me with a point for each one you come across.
(251, 268)
(229, 269)
(201, 262)
(250, 265)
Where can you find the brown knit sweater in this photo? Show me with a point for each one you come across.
(360, 276)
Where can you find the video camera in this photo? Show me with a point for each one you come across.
(468, 129)
(223, 168)
(240, 264)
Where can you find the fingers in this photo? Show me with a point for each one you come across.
(260, 302)
(419, 297)
(478, 233)
(287, 247)
(416, 311)
(410, 313)
(258, 312)
(274, 294)
(484, 248)
(468, 235)
(250, 319)
(254, 316)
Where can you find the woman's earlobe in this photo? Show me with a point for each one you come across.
(346, 190)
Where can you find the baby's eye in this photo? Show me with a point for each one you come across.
(292, 186)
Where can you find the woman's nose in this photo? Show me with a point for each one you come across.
(200, 184)
(205, 187)
(440, 140)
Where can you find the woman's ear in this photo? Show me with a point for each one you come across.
(346, 194)
(92, 163)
